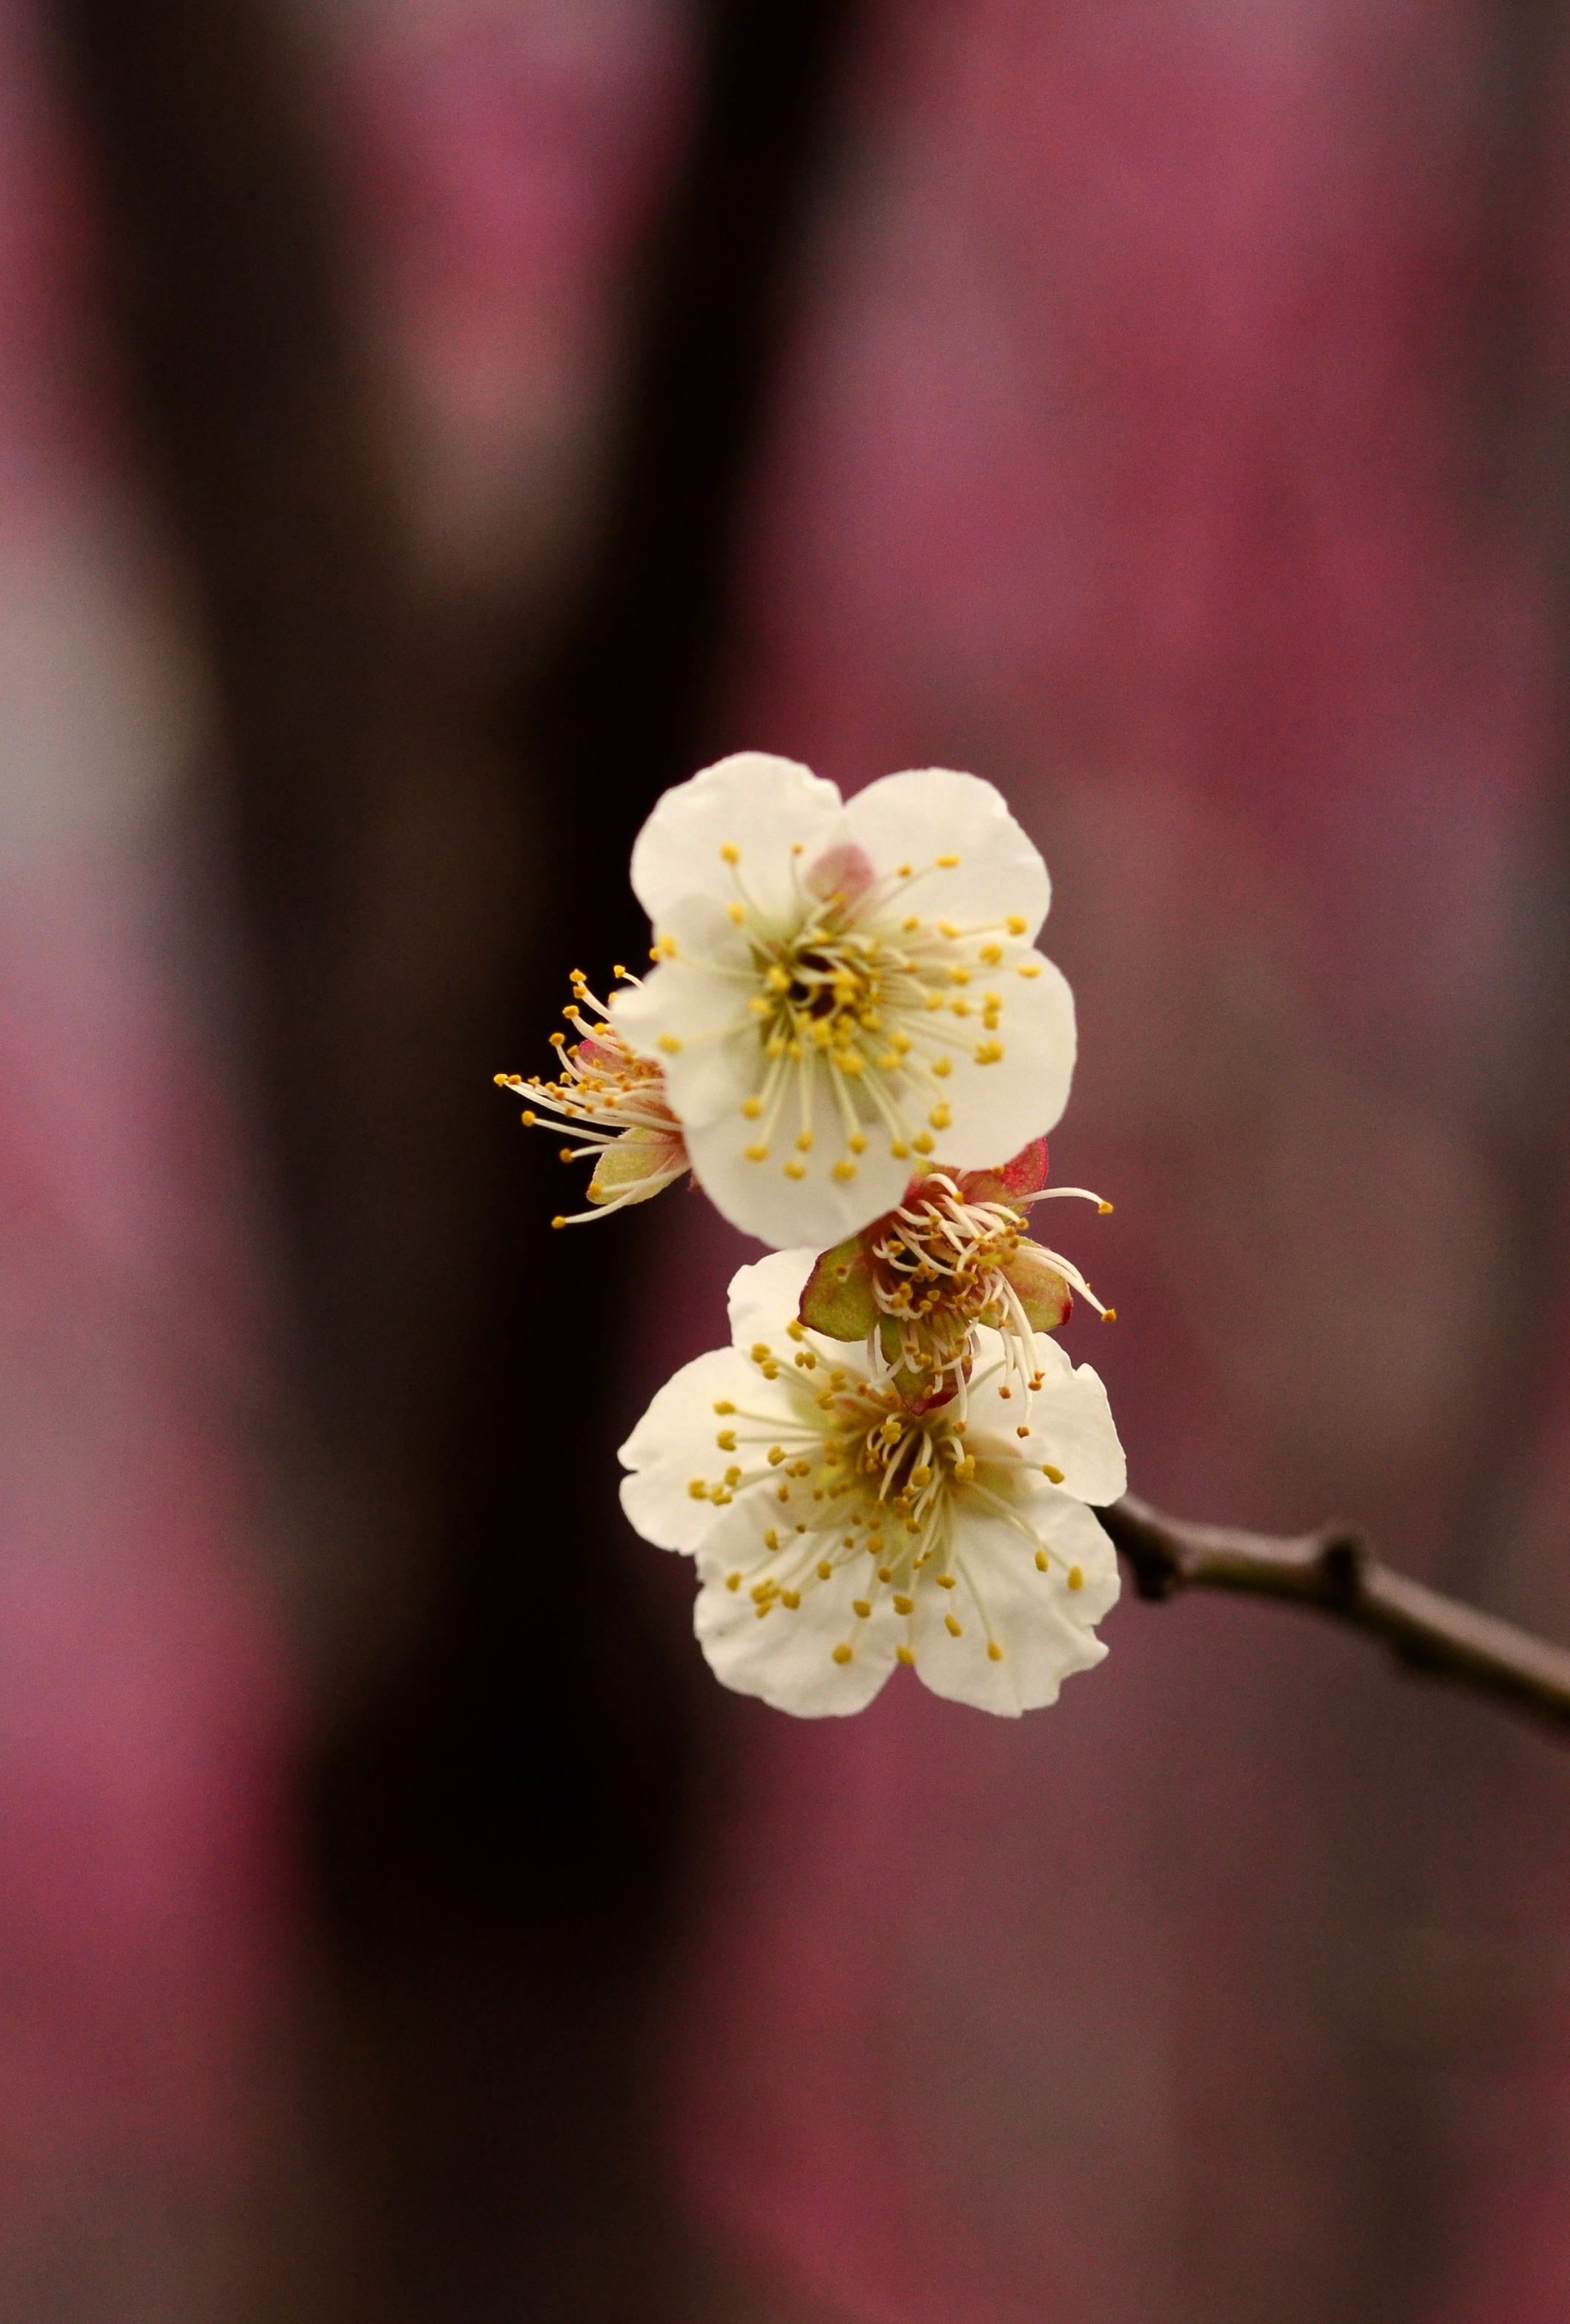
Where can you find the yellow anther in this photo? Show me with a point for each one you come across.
(733, 1581)
(922, 1142)
(991, 954)
(699, 1489)
(558, 1040)
(946, 863)
(939, 1116)
(904, 1655)
(760, 1352)
(794, 1331)
(725, 1438)
(859, 1606)
(736, 912)
(911, 923)
(791, 1597)
(758, 1153)
(994, 1651)
(528, 1120)
(942, 1067)
(857, 1143)
(1029, 968)
(903, 1605)
(849, 1061)
(1103, 1210)
(558, 1221)
(960, 1008)
(733, 1478)
(1015, 925)
(771, 1539)
(843, 1169)
(921, 1474)
(1043, 1560)
(957, 976)
(988, 1052)
(945, 1581)
(752, 1107)
(825, 1570)
(947, 928)
(1023, 1431)
(760, 1007)
(724, 1406)
(795, 1169)
(1075, 1578)
(842, 1653)
(952, 1627)
(776, 1455)
(669, 1044)
(730, 854)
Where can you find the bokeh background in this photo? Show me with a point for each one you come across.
(427, 428)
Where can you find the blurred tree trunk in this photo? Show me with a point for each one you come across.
(493, 1801)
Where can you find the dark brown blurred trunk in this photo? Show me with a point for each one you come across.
(492, 1804)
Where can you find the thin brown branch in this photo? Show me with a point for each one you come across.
(1333, 1572)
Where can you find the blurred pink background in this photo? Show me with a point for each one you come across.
(1172, 427)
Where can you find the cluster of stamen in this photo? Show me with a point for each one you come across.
(940, 1269)
(864, 1483)
(606, 1096)
(862, 1005)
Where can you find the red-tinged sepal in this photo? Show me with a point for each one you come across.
(1026, 1175)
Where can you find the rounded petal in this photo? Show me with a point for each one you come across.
(763, 1298)
(1070, 1424)
(1041, 1627)
(695, 1021)
(997, 1107)
(762, 806)
(818, 1659)
(817, 1208)
(672, 1448)
(933, 811)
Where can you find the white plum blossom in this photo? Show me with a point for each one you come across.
(843, 986)
(837, 1534)
(611, 1102)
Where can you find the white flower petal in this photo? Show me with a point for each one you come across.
(764, 1297)
(931, 811)
(787, 1656)
(697, 1024)
(753, 801)
(1041, 1626)
(999, 1107)
(1070, 1420)
(673, 1447)
(757, 1196)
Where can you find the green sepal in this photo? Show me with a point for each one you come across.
(1040, 1290)
(840, 1300)
(636, 1154)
